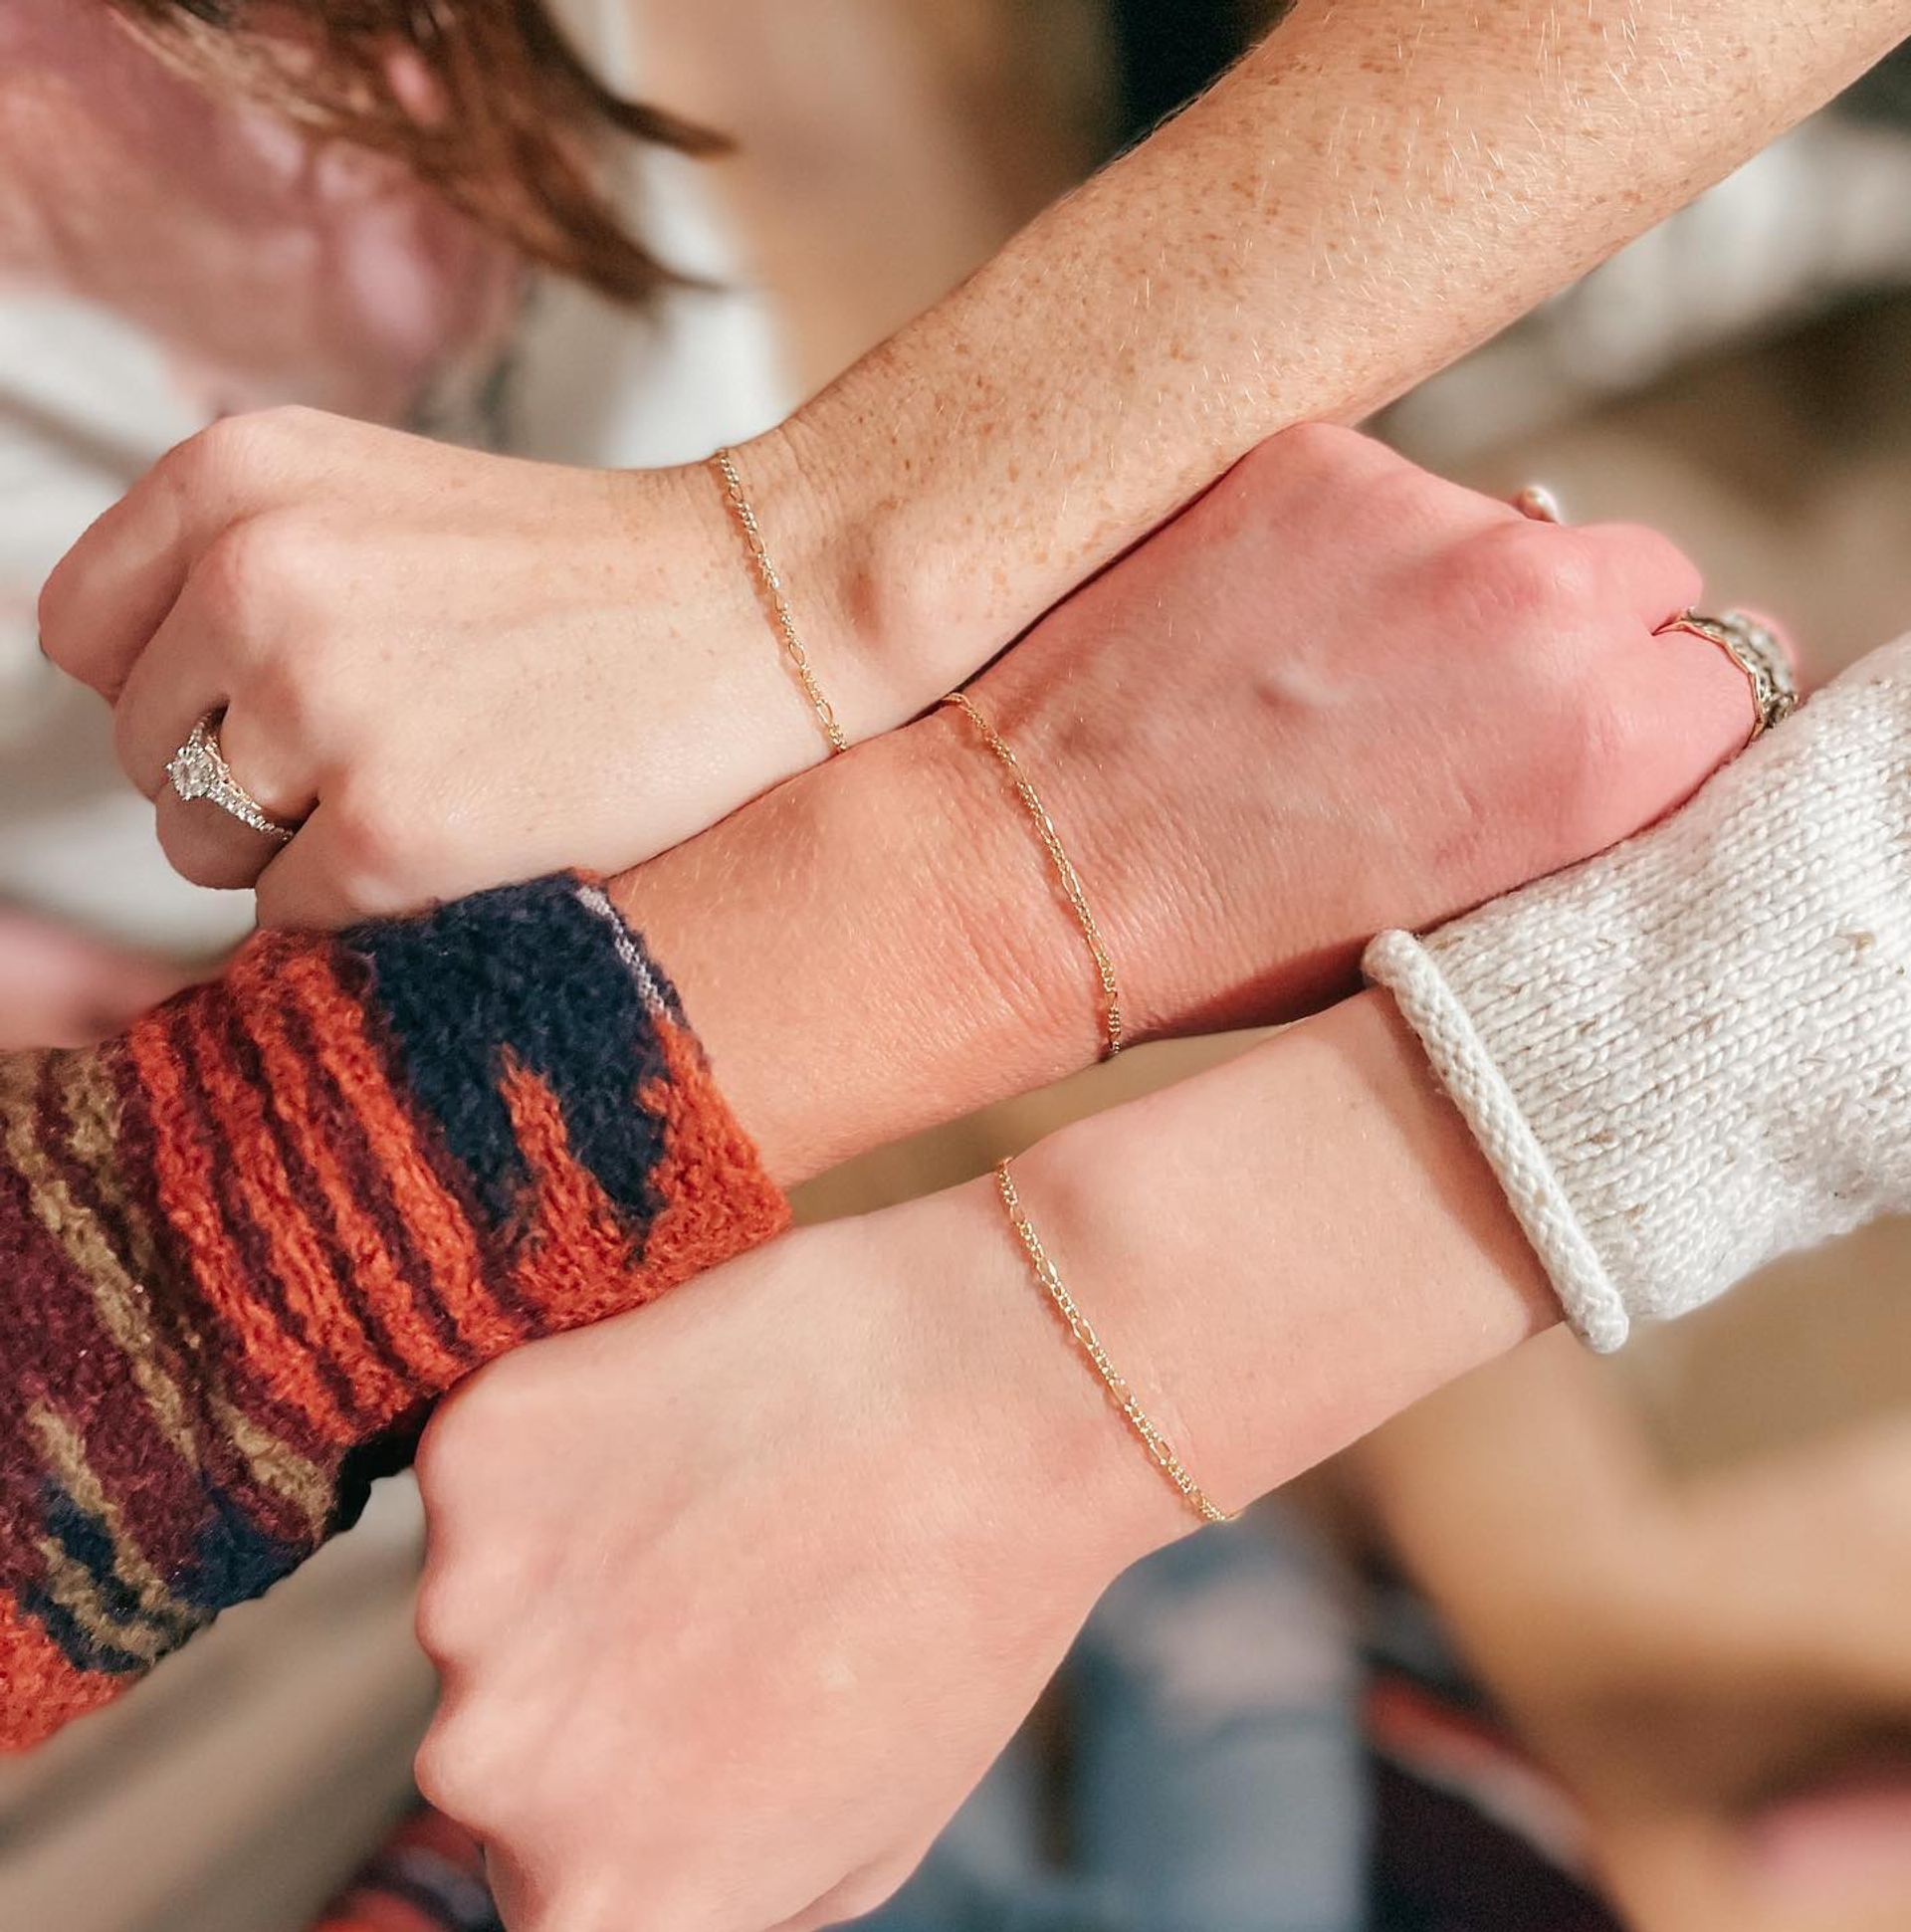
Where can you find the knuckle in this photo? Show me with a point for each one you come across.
(443, 1772)
(247, 568)
(1651, 561)
(378, 848)
(219, 452)
(1529, 580)
(442, 1451)
(437, 1618)
(235, 450)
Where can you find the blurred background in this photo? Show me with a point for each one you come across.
(1657, 1676)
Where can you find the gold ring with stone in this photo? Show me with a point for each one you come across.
(198, 769)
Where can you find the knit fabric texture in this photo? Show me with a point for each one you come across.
(1693, 1054)
(244, 1246)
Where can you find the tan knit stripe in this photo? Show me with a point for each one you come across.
(118, 1300)
(71, 1585)
(92, 1102)
(276, 1466)
(94, 1108)
(66, 1457)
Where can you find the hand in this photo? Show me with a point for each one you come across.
(1337, 692)
(62, 988)
(457, 669)
(803, 1544)
(735, 1597)
(1735, 1659)
(468, 668)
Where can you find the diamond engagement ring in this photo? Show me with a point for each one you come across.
(1757, 651)
(198, 769)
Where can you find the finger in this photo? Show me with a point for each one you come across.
(186, 674)
(325, 878)
(202, 840)
(62, 987)
(1656, 579)
(1704, 708)
(177, 680)
(111, 592)
(209, 847)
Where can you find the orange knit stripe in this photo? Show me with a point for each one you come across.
(438, 1224)
(575, 1257)
(718, 1200)
(299, 1263)
(380, 1278)
(189, 1199)
(40, 1691)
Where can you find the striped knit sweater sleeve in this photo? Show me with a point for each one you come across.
(244, 1246)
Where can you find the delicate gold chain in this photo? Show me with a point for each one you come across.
(725, 467)
(1160, 1449)
(1064, 868)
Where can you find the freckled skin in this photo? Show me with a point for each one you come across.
(468, 670)
(1380, 185)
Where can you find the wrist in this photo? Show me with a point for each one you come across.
(890, 571)
(1038, 1441)
(871, 950)
(830, 510)
(1222, 1234)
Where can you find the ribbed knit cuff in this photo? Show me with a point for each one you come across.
(1468, 1070)
(246, 1245)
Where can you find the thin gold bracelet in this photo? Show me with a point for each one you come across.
(724, 464)
(1160, 1449)
(1071, 882)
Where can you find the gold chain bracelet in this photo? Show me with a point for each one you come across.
(1071, 882)
(1160, 1449)
(724, 464)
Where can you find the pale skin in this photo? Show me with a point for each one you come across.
(848, 1499)
(465, 668)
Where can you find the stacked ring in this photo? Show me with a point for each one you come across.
(1757, 651)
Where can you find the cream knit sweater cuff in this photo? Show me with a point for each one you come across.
(1693, 1054)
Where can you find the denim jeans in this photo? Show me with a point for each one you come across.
(1214, 1777)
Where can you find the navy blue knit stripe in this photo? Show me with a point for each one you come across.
(234, 1560)
(528, 973)
(86, 1542)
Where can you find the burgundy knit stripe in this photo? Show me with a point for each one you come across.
(182, 1304)
(37, 1285)
(58, 1351)
(250, 1242)
(114, 1221)
(159, 1492)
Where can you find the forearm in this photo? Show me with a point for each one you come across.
(1240, 1240)
(1380, 185)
